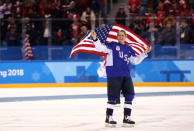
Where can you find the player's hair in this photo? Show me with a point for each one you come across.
(121, 31)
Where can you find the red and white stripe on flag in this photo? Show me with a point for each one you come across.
(138, 44)
(27, 50)
(86, 46)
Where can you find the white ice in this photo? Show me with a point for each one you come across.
(83, 109)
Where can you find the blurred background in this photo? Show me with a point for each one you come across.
(52, 27)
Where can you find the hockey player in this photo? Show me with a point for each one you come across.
(119, 55)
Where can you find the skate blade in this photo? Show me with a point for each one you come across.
(110, 125)
(128, 125)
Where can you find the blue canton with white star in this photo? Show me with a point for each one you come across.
(103, 32)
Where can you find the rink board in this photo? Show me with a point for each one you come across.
(146, 84)
(149, 71)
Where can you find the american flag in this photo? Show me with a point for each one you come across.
(27, 50)
(108, 34)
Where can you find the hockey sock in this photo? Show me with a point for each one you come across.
(110, 108)
(127, 108)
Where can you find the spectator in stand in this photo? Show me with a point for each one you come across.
(82, 5)
(144, 2)
(7, 24)
(170, 18)
(192, 17)
(138, 26)
(152, 28)
(83, 32)
(3, 30)
(58, 37)
(32, 15)
(12, 38)
(1, 10)
(47, 30)
(7, 9)
(143, 7)
(167, 5)
(192, 26)
(134, 6)
(181, 3)
(149, 11)
(67, 7)
(167, 35)
(31, 29)
(121, 16)
(161, 13)
(28, 4)
(17, 9)
(156, 21)
(10, 23)
(174, 10)
(56, 15)
(191, 3)
(183, 9)
(75, 26)
(89, 18)
(56, 4)
(142, 10)
(184, 32)
(44, 7)
(3, 22)
(154, 4)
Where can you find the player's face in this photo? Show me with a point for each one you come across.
(121, 37)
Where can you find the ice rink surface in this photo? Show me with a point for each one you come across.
(83, 109)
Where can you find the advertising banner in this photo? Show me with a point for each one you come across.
(86, 71)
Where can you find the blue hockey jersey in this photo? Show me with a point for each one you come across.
(118, 58)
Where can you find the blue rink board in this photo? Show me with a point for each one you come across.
(86, 71)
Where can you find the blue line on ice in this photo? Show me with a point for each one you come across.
(89, 96)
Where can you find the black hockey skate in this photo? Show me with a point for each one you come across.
(128, 122)
(110, 122)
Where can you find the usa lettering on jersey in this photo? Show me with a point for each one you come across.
(126, 57)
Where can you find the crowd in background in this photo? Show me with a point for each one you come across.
(62, 22)
(160, 21)
(43, 20)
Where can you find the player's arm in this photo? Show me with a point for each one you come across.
(138, 59)
(98, 44)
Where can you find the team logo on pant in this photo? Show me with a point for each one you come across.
(118, 48)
